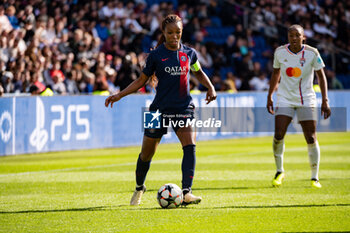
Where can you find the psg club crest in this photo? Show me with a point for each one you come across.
(183, 58)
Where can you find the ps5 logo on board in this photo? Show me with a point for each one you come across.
(39, 136)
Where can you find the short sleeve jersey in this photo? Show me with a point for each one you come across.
(172, 69)
(297, 75)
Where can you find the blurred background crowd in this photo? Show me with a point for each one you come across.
(71, 47)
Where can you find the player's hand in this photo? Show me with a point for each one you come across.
(325, 110)
(211, 95)
(269, 106)
(111, 99)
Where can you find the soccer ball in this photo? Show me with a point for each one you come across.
(169, 196)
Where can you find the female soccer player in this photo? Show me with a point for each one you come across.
(170, 62)
(294, 66)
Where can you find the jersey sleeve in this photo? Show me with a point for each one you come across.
(195, 65)
(317, 62)
(150, 65)
(276, 62)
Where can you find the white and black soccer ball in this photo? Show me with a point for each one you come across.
(169, 196)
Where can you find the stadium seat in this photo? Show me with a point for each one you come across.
(218, 35)
(216, 21)
(146, 44)
(152, 2)
(208, 72)
(260, 42)
(345, 80)
(225, 70)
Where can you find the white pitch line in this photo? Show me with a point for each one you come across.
(296, 149)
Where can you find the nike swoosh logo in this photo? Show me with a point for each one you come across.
(165, 59)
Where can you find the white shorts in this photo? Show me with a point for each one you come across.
(303, 113)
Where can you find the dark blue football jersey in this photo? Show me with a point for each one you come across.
(172, 69)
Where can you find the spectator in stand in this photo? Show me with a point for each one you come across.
(7, 82)
(58, 86)
(17, 82)
(63, 45)
(41, 33)
(102, 30)
(237, 82)
(101, 84)
(4, 51)
(239, 32)
(116, 30)
(194, 84)
(245, 71)
(256, 69)
(259, 83)
(111, 76)
(1, 90)
(119, 10)
(133, 24)
(56, 71)
(34, 80)
(89, 82)
(128, 72)
(71, 83)
(10, 12)
(217, 82)
(5, 24)
(271, 31)
(333, 82)
(309, 33)
(203, 56)
(257, 20)
(220, 59)
(107, 11)
(228, 86)
(75, 39)
(230, 48)
(50, 33)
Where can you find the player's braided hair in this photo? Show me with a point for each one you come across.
(167, 20)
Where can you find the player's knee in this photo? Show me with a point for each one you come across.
(146, 157)
(279, 135)
(310, 139)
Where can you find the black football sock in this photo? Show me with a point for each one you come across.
(141, 172)
(188, 166)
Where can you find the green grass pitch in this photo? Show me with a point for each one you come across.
(89, 191)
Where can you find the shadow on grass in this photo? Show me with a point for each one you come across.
(279, 206)
(328, 179)
(232, 188)
(316, 231)
(118, 207)
(96, 208)
(207, 188)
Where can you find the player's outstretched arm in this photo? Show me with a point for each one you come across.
(204, 80)
(325, 109)
(275, 78)
(134, 86)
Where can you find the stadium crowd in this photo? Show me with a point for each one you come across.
(99, 47)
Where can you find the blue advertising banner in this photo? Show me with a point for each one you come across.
(41, 124)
